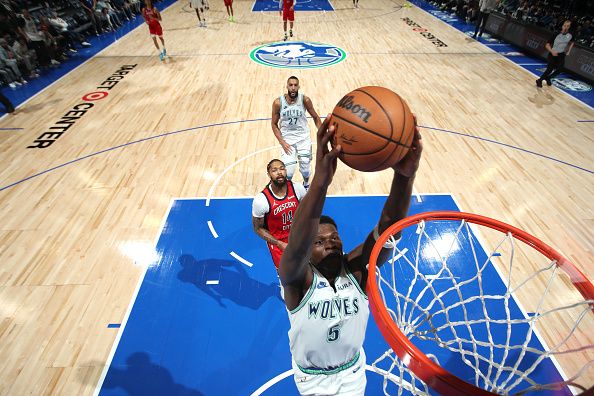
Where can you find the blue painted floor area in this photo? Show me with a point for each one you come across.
(98, 43)
(205, 323)
(301, 5)
(572, 85)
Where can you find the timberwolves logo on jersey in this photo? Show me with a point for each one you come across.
(297, 55)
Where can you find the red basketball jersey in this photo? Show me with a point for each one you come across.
(287, 4)
(279, 218)
(150, 15)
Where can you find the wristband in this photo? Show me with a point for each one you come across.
(390, 243)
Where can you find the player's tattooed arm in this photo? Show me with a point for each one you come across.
(258, 224)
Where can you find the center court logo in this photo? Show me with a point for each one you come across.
(297, 55)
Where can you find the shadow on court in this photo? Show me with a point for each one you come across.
(140, 376)
(542, 98)
(235, 285)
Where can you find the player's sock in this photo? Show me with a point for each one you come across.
(291, 32)
(164, 51)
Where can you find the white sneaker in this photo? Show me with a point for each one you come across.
(85, 44)
(54, 62)
(18, 84)
(12, 85)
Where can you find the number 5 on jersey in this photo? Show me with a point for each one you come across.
(333, 333)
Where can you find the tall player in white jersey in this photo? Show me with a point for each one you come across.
(293, 133)
(324, 288)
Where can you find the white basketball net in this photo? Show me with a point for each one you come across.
(431, 301)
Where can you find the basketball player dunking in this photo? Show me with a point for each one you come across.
(293, 133)
(152, 17)
(287, 10)
(324, 289)
(274, 207)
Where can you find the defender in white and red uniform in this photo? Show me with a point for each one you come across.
(273, 209)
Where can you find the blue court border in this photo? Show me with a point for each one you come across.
(22, 94)
(516, 55)
(49, 76)
(301, 5)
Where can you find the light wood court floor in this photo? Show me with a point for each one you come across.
(65, 272)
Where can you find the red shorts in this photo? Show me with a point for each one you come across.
(276, 253)
(155, 29)
(228, 3)
(288, 14)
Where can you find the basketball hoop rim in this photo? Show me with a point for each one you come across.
(424, 368)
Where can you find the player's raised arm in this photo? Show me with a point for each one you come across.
(395, 209)
(293, 269)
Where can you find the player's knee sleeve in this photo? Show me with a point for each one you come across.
(305, 165)
(290, 167)
(290, 161)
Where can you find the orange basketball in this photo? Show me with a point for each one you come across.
(375, 128)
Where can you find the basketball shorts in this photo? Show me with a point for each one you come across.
(276, 253)
(300, 150)
(155, 29)
(288, 14)
(349, 382)
(228, 3)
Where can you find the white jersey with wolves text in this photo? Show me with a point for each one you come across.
(293, 121)
(328, 327)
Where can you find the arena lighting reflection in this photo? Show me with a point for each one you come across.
(440, 247)
(209, 175)
(142, 253)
